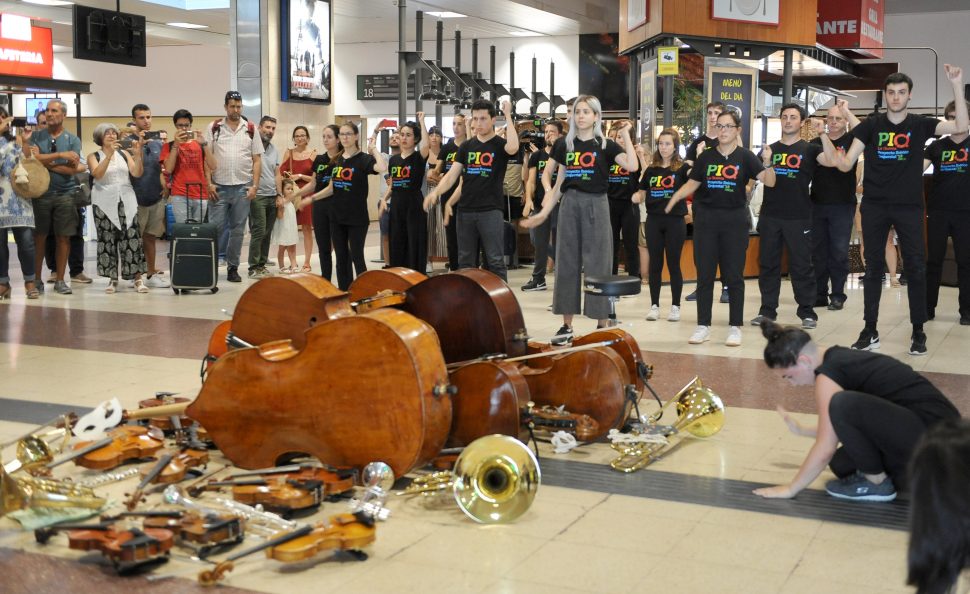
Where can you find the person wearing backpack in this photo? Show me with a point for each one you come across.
(237, 150)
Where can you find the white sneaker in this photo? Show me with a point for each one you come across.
(654, 314)
(701, 334)
(733, 337)
(157, 281)
(674, 315)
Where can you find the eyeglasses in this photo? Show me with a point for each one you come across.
(725, 126)
(300, 136)
(53, 145)
(184, 126)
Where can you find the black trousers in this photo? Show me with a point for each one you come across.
(451, 237)
(831, 232)
(665, 237)
(776, 234)
(720, 239)
(877, 218)
(625, 220)
(941, 224)
(409, 233)
(321, 232)
(75, 258)
(348, 246)
(876, 435)
(543, 241)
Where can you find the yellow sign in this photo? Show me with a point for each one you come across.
(668, 61)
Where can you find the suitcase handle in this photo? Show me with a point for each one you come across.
(202, 215)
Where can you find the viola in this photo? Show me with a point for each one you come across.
(200, 532)
(124, 548)
(128, 442)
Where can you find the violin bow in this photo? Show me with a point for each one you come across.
(563, 351)
(102, 443)
(212, 576)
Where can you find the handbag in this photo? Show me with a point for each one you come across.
(30, 179)
(81, 192)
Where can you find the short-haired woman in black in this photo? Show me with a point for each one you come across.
(719, 180)
(409, 222)
(939, 512)
(874, 405)
(624, 212)
(665, 232)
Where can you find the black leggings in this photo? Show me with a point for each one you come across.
(876, 434)
(665, 235)
(348, 245)
(321, 231)
(625, 218)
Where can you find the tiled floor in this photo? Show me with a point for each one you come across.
(82, 349)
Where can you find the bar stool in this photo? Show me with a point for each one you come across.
(613, 287)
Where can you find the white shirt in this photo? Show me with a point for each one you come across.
(115, 187)
(234, 153)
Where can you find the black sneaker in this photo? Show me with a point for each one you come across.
(836, 304)
(857, 487)
(563, 337)
(725, 298)
(809, 323)
(535, 285)
(691, 297)
(868, 340)
(964, 321)
(919, 344)
(232, 275)
(756, 321)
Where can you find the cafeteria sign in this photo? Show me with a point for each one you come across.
(25, 50)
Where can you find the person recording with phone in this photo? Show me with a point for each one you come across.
(148, 191)
(188, 164)
(16, 212)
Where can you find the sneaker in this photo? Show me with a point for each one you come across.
(232, 275)
(756, 321)
(691, 297)
(809, 323)
(701, 334)
(157, 281)
(964, 321)
(263, 272)
(868, 340)
(563, 337)
(725, 298)
(836, 304)
(919, 344)
(674, 315)
(734, 336)
(39, 286)
(62, 288)
(222, 262)
(253, 272)
(654, 314)
(535, 285)
(857, 487)
(81, 278)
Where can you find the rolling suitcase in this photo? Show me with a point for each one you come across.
(193, 256)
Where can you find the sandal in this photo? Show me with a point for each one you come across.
(112, 287)
(32, 291)
(4, 291)
(140, 286)
(306, 268)
(286, 270)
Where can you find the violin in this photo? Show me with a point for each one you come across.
(200, 532)
(547, 418)
(179, 466)
(279, 495)
(126, 549)
(128, 442)
(165, 423)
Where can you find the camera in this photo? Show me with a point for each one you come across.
(126, 143)
(534, 136)
(19, 123)
(153, 135)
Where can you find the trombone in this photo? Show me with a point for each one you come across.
(700, 412)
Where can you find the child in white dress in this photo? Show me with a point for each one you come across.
(285, 233)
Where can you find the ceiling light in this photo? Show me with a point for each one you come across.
(49, 2)
(524, 33)
(446, 15)
(187, 25)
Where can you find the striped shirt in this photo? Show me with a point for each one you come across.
(234, 152)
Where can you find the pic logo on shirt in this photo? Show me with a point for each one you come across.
(401, 177)
(479, 163)
(786, 164)
(618, 175)
(892, 146)
(953, 161)
(580, 165)
(342, 177)
(450, 159)
(722, 177)
(662, 186)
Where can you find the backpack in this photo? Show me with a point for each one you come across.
(216, 128)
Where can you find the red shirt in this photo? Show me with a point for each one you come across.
(189, 169)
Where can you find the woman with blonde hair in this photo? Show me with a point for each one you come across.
(116, 209)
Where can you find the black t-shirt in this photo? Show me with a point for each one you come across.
(587, 165)
(483, 176)
(622, 183)
(951, 180)
(830, 185)
(709, 143)
(794, 166)
(723, 179)
(894, 157)
(888, 378)
(537, 161)
(407, 175)
(448, 154)
(348, 205)
(658, 185)
(320, 169)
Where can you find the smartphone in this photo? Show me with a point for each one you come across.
(18, 123)
(126, 143)
(153, 135)
(387, 123)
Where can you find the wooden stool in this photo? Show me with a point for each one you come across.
(614, 287)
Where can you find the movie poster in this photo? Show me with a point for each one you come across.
(308, 51)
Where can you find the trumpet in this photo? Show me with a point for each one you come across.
(700, 412)
(256, 519)
(494, 481)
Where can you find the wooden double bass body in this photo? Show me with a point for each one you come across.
(363, 388)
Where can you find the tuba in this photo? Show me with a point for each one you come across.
(700, 412)
(494, 481)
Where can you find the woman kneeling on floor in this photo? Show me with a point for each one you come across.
(876, 406)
